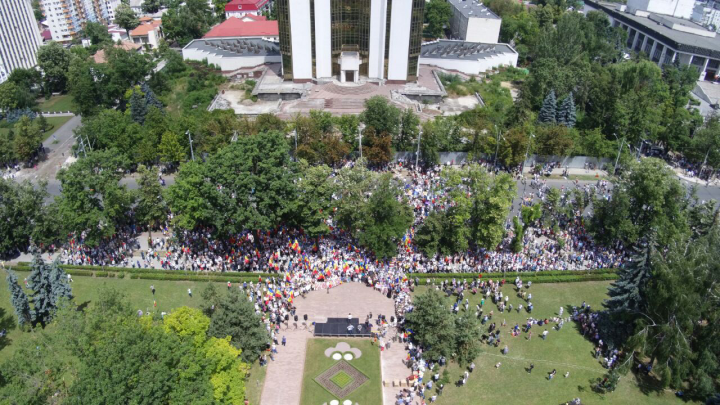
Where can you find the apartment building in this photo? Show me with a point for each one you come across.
(66, 18)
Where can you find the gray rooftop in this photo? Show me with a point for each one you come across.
(236, 47)
(681, 41)
(473, 8)
(445, 49)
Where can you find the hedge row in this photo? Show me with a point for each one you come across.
(524, 275)
(25, 266)
(189, 277)
(554, 276)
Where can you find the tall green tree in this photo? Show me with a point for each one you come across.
(677, 328)
(60, 286)
(26, 218)
(381, 115)
(125, 18)
(314, 202)
(18, 299)
(409, 126)
(170, 150)
(647, 199)
(151, 209)
(151, 6)
(54, 61)
(235, 316)
(92, 201)
(97, 32)
(386, 218)
(28, 139)
(548, 111)
(432, 325)
(353, 185)
(626, 295)
(566, 114)
(468, 338)
(186, 21)
(191, 199)
(84, 86)
(254, 186)
(138, 107)
(40, 282)
(437, 15)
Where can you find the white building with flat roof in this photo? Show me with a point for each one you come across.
(472, 21)
(675, 8)
(19, 37)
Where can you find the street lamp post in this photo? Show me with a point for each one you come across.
(522, 169)
(417, 154)
(497, 147)
(361, 127)
(618, 155)
(192, 153)
(295, 133)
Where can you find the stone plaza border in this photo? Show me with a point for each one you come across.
(358, 379)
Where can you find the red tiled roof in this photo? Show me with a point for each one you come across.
(144, 28)
(245, 5)
(46, 35)
(99, 56)
(234, 27)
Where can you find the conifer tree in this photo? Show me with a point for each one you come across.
(548, 111)
(626, 293)
(138, 108)
(150, 99)
(566, 114)
(59, 284)
(18, 299)
(40, 283)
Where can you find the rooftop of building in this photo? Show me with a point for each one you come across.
(245, 5)
(235, 27)
(461, 50)
(473, 8)
(144, 28)
(99, 56)
(658, 24)
(236, 47)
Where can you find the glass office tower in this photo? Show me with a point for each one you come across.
(346, 39)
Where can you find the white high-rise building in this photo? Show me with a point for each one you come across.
(19, 36)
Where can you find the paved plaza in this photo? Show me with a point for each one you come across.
(283, 382)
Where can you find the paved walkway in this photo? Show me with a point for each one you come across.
(283, 382)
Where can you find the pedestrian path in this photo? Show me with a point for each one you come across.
(284, 378)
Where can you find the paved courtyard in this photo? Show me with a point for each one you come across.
(283, 382)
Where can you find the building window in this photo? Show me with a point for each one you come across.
(416, 28)
(283, 17)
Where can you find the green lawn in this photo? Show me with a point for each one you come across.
(316, 363)
(61, 103)
(56, 123)
(564, 350)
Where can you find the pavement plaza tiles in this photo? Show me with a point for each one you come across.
(283, 382)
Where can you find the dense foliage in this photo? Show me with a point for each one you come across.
(108, 354)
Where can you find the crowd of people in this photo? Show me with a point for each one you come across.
(302, 264)
(285, 250)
